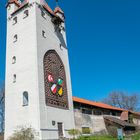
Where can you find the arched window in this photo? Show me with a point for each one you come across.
(25, 98)
(13, 60)
(55, 81)
(14, 78)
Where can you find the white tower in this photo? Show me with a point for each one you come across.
(38, 84)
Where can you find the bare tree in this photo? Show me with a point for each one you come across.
(24, 133)
(2, 107)
(123, 100)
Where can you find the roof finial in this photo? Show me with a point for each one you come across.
(57, 5)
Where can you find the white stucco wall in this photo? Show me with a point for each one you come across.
(49, 114)
(25, 68)
(29, 51)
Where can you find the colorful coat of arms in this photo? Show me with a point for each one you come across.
(56, 86)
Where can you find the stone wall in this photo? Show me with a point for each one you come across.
(94, 122)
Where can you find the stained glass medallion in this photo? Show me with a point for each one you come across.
(55, 81)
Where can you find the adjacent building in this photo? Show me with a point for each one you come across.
(99, 118)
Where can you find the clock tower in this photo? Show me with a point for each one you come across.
(38, 83)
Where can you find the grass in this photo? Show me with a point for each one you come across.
(106, 137)
(97, 138)
(136, 136)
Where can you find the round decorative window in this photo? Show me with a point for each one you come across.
(55, 81)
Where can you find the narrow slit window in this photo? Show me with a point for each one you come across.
(25, 98)
(43, 33)
(14, 78)
(26, 13)
(9, 7)
(14, 20)
(61, 47)
(15, 38)
(13, 60)
(43, 14)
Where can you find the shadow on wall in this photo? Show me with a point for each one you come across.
(60, 36)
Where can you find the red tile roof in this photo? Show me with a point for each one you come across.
(47, 7)
(96, 104)
(106, 106)
(44, 4)
(21, 6)
(13, 1)
(58, 9)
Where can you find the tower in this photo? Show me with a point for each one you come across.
(38, 84)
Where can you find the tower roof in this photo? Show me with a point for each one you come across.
(47, 7)
(24, 3)
(58, 10)
(43, 3)
(13, 1)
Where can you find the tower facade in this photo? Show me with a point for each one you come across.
(38, 84)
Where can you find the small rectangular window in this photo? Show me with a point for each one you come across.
(14, 20)
(13, 60)
(43, 34)
(15, 38)
(14, 78)
(26, 14)
(25, 98)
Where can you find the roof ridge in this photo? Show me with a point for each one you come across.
(47, 7)
(98, 104)
(58, 9)
(17, 2)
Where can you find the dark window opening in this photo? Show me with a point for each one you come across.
(13, 60)
(26, 13)
(14, 78)
(25, 98)
(15, 38)
(43, 14)
(14, 20)
(86, 111)
(43, 34)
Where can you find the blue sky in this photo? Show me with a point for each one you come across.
(104, 45)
